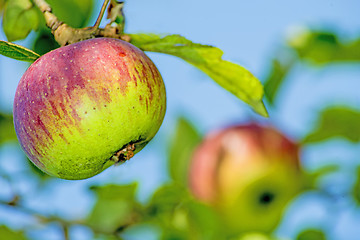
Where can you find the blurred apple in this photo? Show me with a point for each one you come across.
(249, 173)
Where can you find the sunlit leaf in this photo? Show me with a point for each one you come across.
(311, 234)
(6, 233)
(75, 13)
(17, 52)
(324, 47)
(115, 208)
(232, 77)
(7, 130)
(182, 145)
(20, 17)
(256, 236)
(336, 122)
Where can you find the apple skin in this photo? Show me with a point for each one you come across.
(248, 173)
(77, 106)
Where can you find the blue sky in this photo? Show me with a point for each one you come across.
(249, 33)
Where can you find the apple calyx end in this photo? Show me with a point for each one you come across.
(124, 154)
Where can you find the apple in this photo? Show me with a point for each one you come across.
(248, 173)
(84, 107)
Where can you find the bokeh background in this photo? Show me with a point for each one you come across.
(252, 34)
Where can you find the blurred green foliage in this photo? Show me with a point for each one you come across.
(255, 236)
(115, 209)
(325, 47)
(336, 122)
(2, 3)
(356, 190)
(8, 234)
(20, 17)
(7, 131)
(311, 234)
(181, 217)
(318, 48)
(186, 138)
(279, 70)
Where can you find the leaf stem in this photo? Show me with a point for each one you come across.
(101, 14)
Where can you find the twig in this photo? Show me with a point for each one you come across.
(40, 217)
(65, 224)
(66, 232)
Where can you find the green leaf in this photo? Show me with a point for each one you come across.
(116, 208)
(7, 233)
(185, 140)
(279, 71)
(336, 122)
(232, 77)
(324, 47)
(17, 52)
(311, 234)
(180, 217)
(2, 3)
(311, 178)
(165, 200)
(204, 222)
(7, 130)
(75, 13)
(20, 17)
(356, 191)
(256, 236)
(45, 42)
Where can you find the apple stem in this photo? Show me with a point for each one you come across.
(51, 20)
(65, 35)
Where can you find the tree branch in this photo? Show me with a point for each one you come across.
(65, 34)
(65, 224)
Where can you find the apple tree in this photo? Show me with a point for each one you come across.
(92, 98)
